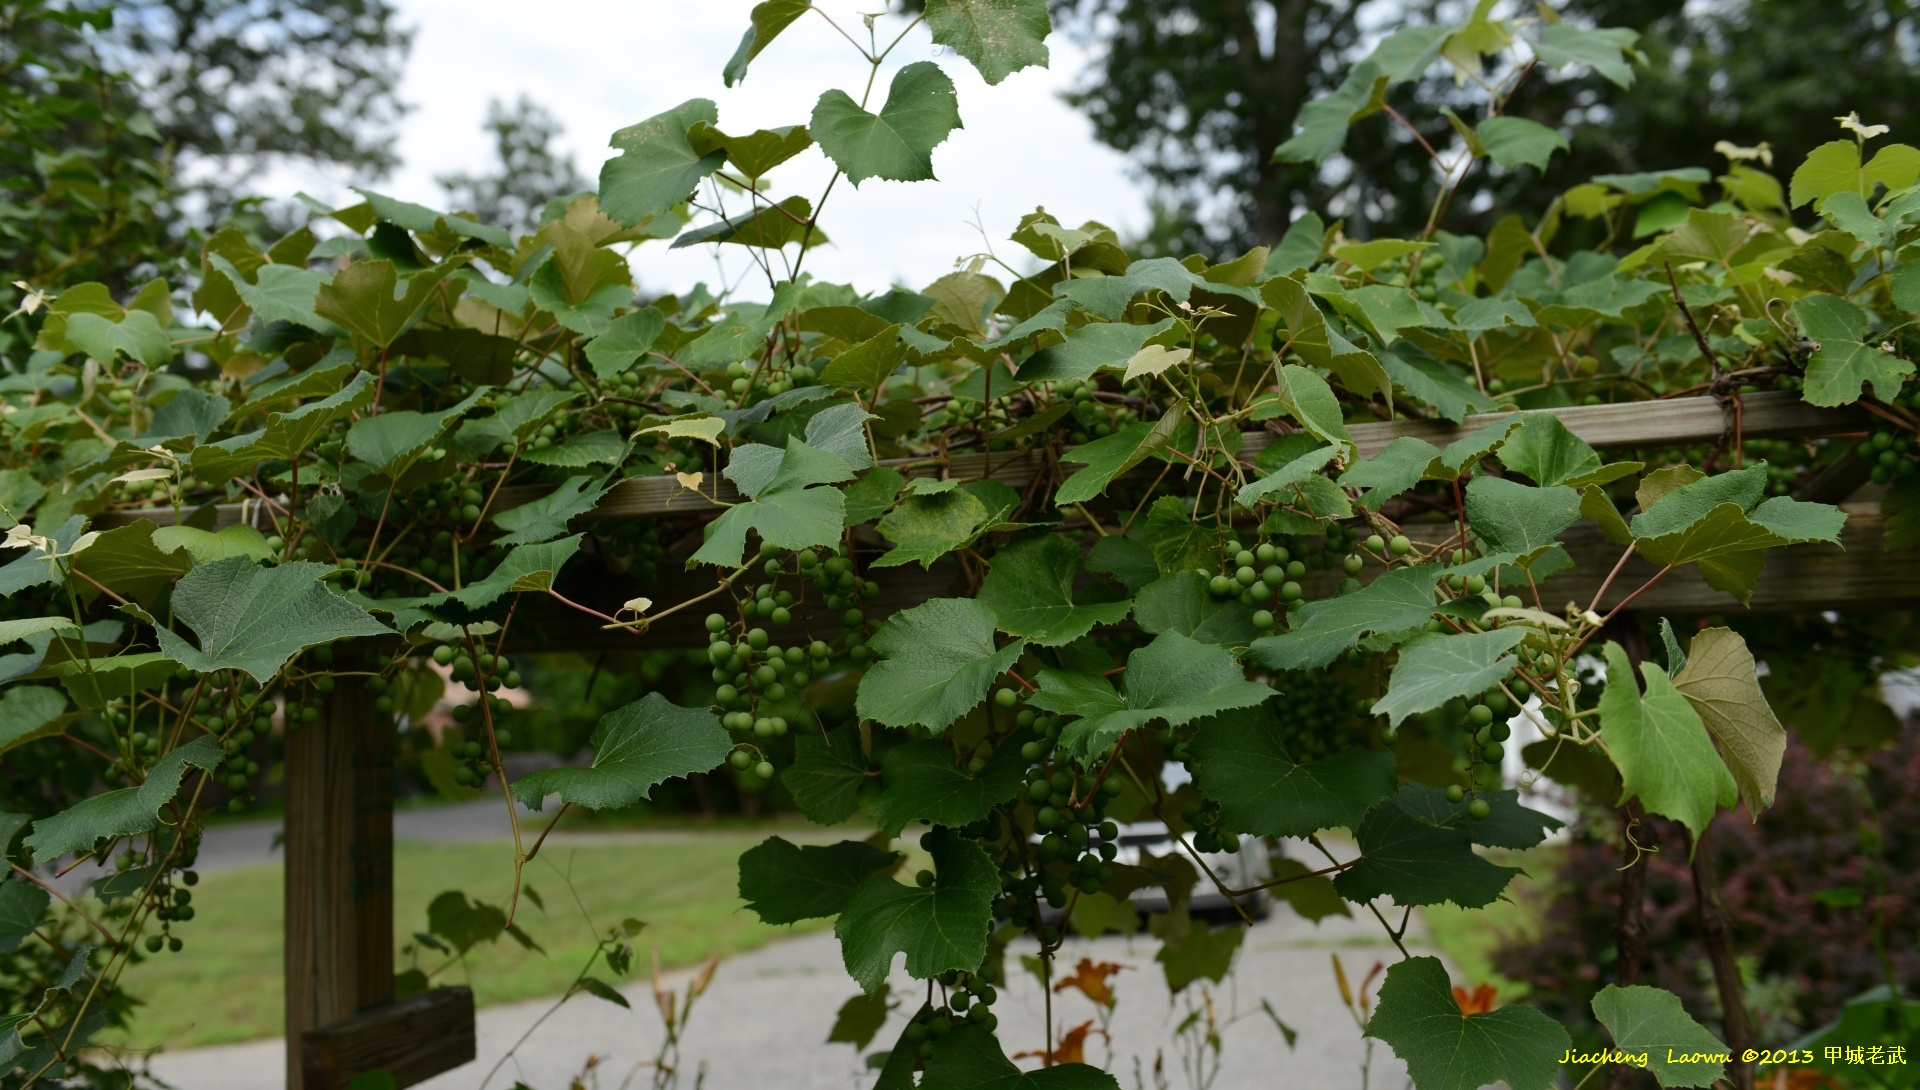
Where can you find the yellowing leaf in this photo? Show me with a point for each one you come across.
(1155, 360)
(707, 429)
(1720, 682)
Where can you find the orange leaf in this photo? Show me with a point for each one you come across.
(1094, 979)
(1072, 1048)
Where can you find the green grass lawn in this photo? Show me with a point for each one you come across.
(225, 986)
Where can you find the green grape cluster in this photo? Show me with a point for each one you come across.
(1892, 456)
(1322, 715)
(967, 1001)
(1265, 578)
(1209, 837)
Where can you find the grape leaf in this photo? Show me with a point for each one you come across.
(1418, 863)
(1174, 680)
(129, 811)
(1238, 761)
(368, 298)
(1182, 603)
(868, 364)
(1719, 679)
(897, 143)
(1029, 587)
(927, 526)
(1507, 824)
(287, 435)
(792, 509)
(605, 447)
(1392, 471)
(937, 661)
(1659, 744)
(547, 517)
(785, 883)
(1401, 599)
(1436, 667)
(129, 561)
(938, 927)
(860, 1018)
(1515, 518)
(1451, 394)
(923, 782)
(1543, 449)
(826, 775)
(1444, 1049)
(1094, 346)
(254, 619)
(21, 904)
(1000, 37)
(1108, 458)
(1516, 141)
(1844, 362)
(1291, 473)
(1323, 122)
(137, 334)
(526, 568)
(635, 748)
(1308, 399)
(1193, 950)
(29, 713)
(625, 340)
(397, 437)
(1651, 1020)
(657, 167)
(971, 1059)
(767, 20)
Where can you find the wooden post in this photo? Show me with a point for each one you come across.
(339, 868)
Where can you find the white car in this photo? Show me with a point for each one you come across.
(1142, 842)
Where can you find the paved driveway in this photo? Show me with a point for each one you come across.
(763, 1023)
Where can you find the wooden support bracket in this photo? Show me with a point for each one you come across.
(412, 1040)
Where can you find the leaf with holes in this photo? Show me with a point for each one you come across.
(939, 927)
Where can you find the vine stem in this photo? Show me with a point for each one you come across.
(62, 898)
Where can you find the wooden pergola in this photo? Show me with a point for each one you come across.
(341, 1017)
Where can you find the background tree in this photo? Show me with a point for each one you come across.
(123, 118)
(1200, 92)
(529, 172)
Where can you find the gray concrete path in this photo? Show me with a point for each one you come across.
(764, 1022)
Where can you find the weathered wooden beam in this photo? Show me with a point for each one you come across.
(1681, 421)
(1774, 414)
(412, 1040)
(1858, 575)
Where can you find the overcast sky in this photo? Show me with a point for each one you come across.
(599, 65)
